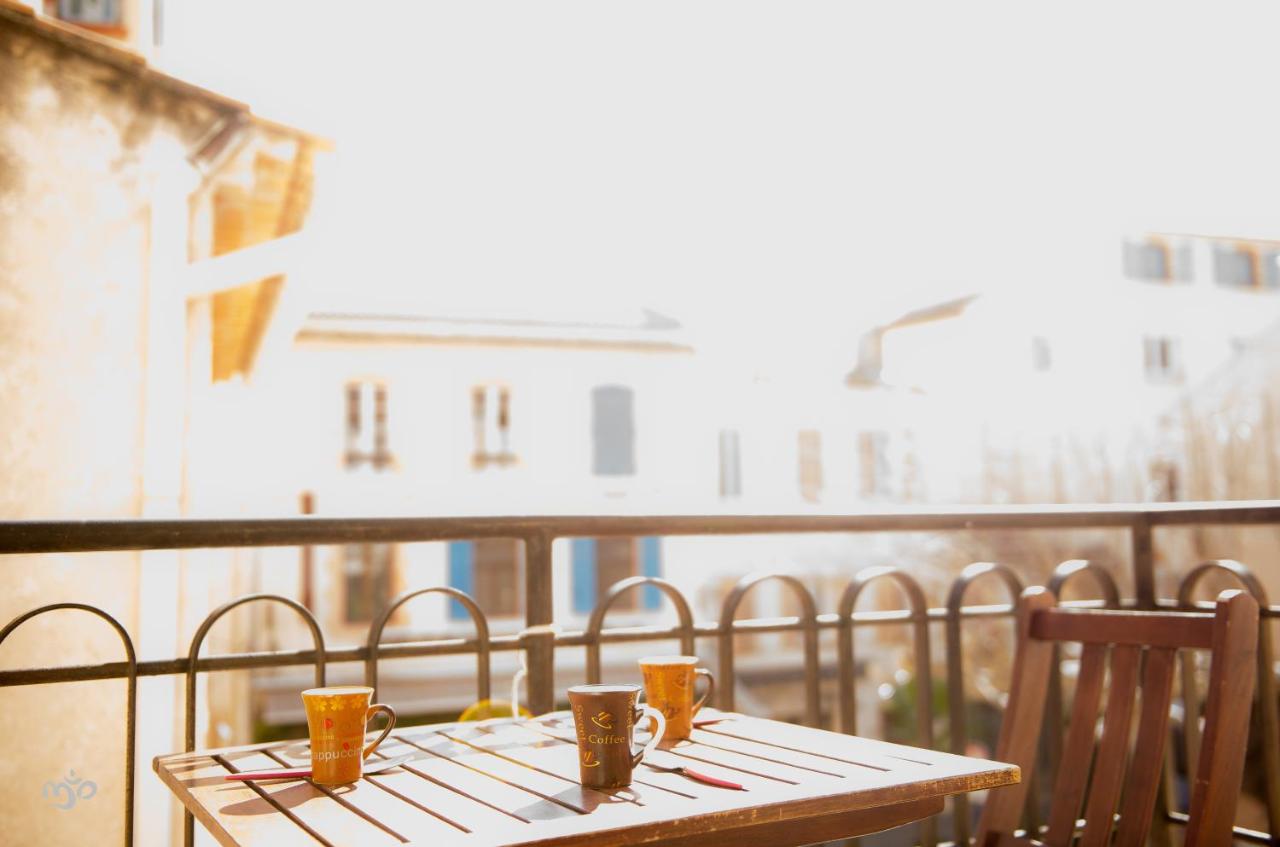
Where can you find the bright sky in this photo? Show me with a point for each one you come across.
(777, 175)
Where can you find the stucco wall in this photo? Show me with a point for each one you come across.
(81, 145)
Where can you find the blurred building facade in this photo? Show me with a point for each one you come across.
(977, 399)
(1062, 397)
(480, 411)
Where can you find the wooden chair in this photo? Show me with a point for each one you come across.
(1140, 644)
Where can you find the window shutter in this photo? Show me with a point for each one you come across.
(1041, 353)
(1270, 267)
(583, 565)
(353, 414)
(651, 565)
(462, 575)
(810, 461)
(1146, 260)
(381, 455)
(1233, 266)
(613, 431)
(730, 464)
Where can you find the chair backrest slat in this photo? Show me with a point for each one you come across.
(1077, 754)
(1108, 626)
(1226, 723)
(1141, 645)
(1148, 752)
(1113, 753)
(1020, 730)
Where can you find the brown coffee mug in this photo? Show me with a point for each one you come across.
(605, 718)
(668, 687)
(337, 718)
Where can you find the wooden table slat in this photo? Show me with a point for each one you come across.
(375, 802)
(232, 812)
(476, 817)
(337, 821)
(794, 758)
(543, 752)
(450, 769)
(851, 749)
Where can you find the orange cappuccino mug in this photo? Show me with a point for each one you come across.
(668, 687)
(337, 719)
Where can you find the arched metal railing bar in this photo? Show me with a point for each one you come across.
(131, 697)
(1265, 693)
(919, 621)
(478, 620)
(193, 656)
(955, 669)
(808, 625)
(596, 622)
(919, 608)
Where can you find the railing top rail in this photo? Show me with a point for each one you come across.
(151, 534)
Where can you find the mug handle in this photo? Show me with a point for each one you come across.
(659, 730)
(391, 724)
(711, 687)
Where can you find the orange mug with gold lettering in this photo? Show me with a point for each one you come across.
(337, 718)
(605, 718)
(668, 687)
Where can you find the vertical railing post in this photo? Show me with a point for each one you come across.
(1144, 568)
(306, 581)
(539, 614)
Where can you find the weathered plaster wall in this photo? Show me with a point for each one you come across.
(82, 142)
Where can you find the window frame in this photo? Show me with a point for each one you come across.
(809, 474)
(1224, 254)
(1041, 354)
(483, 414)
(1169, 368)
(368, 556)
(730, 455)
(1134, 252)
(875, 472)
(603, 461)
(366, 400)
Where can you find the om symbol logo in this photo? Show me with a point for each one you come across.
(604, 720)
(63, 795)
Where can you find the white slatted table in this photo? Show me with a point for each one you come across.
(503, 783)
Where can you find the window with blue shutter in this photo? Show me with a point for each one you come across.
(597, 564)
(462, 575)
(613, 433)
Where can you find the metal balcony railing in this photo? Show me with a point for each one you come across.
(540, 639)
